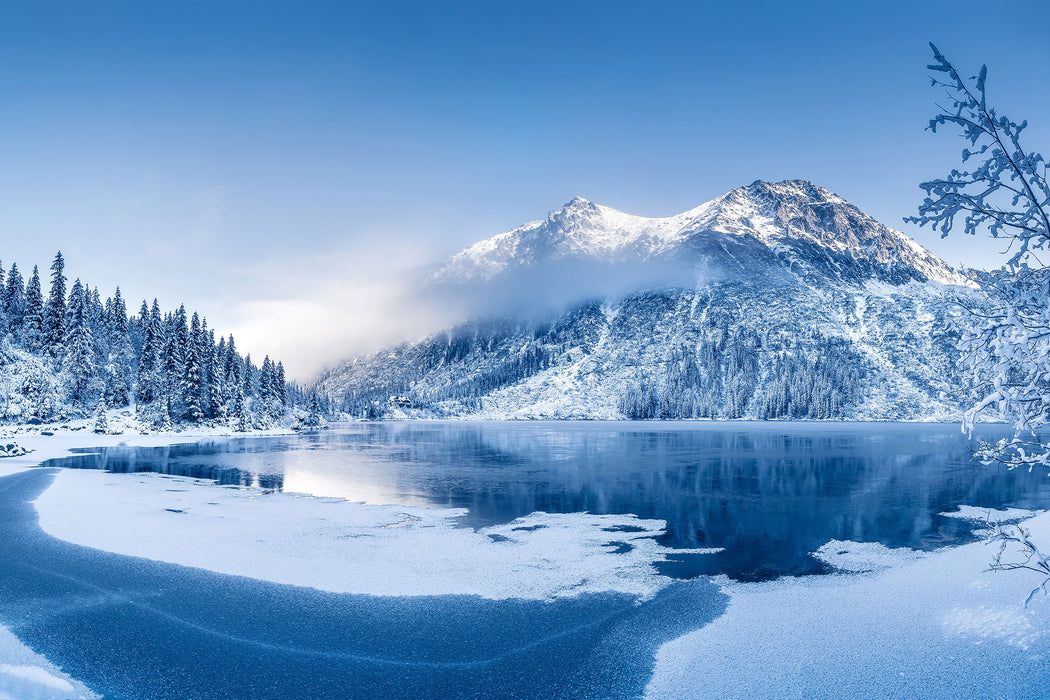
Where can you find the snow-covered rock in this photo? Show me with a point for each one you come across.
(12, 449)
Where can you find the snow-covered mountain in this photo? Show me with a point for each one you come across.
(788, 219)
(796, 304)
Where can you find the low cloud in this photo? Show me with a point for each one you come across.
(317, 311)
(552, 288)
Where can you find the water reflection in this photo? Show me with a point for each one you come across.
(768, 493)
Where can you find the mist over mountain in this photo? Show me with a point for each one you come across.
(775, 300)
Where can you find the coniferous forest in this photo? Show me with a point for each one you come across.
(70, 354)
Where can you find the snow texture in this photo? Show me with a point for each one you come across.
(344, 547)
(938, 626)
(991, 515)
(25, 675)
(860, 557)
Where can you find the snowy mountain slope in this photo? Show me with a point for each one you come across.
(801, 307)
(795, 220)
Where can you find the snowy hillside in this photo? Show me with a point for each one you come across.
(798, 305)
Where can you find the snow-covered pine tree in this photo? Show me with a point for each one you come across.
(282, 392)
(144, 392)
(232, 369)
(204, 353)
(33, 325)
(217, 383)
(54, 330)
(78, 359)
(190, 388)
(101, 423)
(248, 376)
(3, 314)
(269, 391)
(119, 352)
(240, 419)
(94, 311)
(14, 301)
(173, 365)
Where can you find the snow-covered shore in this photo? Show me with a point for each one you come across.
(46, 442)
(345, 547)
(939, 625)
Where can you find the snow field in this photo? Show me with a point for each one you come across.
(344, 547)
(939, 625)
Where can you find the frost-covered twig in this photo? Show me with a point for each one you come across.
(1027, 552)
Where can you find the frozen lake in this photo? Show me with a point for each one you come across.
(768, 493)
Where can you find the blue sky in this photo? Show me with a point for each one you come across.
(281, 166)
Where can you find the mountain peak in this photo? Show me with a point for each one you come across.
(574, 209)
(789, 189)
(792, 220)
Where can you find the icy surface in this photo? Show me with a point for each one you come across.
(991, 515)
(860, 557)
(937, 626)
(74, 436)
(931, 625)
(345, 547)
(25, 675)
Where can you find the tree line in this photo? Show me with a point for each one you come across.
(71, 353)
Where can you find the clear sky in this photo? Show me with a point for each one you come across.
(283, 167)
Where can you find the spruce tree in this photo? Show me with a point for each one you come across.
(101, 424)
(144, 389)
(120, 354)
(3, 310)
(216, 385)
(268, 391)
(282, 393)
(33, 326)
(54, 330)
(78, 361)
(232, 367)
(190, 388)
(240, 420)
(204, 345)
(248, 377)
(14, 301)
(95, 313)
(172, 365)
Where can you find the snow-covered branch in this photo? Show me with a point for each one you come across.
(1007, 193)
(1024, 555)
(1005, 343)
